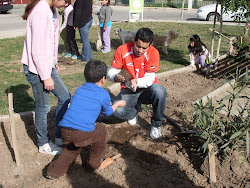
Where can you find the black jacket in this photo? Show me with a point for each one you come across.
(82, 13)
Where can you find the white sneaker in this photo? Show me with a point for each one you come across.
(59, 142)
(133, 121)
(51, 149)
(155, 132)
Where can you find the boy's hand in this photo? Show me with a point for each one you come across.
(121, 103)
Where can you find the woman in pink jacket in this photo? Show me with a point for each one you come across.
(40, 67)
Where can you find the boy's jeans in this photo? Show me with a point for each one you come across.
(74, 140)
(155, 95)
(86, 47)
(42, 101)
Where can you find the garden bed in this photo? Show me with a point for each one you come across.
(173, 161)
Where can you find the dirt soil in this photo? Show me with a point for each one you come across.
(173, 161)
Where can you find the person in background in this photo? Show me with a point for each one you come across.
(79, 126)
(199, 54)
(82, 18)
(72, 50)
(40, 67)
(141, 60)
(63, 33)
(104, 16)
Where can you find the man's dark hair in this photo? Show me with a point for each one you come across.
(95, 70)
(145, 35)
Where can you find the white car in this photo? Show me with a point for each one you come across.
(208, 12)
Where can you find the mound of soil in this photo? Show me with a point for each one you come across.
(173, 161)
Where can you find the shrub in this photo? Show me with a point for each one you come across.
(232, 130)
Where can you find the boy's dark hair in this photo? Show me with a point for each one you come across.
(95, 70)
(197, 44)
(145, 35)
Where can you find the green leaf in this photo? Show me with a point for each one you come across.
(225, 145)
(235, 135)
(247, 142)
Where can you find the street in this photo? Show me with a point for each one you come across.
(12, 24)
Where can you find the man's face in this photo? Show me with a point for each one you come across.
(140, 47)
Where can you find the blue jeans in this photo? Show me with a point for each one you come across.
(86, 48)
(155, 95)
(42, 100)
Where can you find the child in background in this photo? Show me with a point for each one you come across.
(79, 127)
(72, 50)
(199, 54)
(104, 16)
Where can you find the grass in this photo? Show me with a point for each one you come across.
(13, 79)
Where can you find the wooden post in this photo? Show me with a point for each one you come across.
(13, 131)
(211, 158)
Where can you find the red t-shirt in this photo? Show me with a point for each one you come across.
(124, 58)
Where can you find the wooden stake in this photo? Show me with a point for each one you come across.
(13, 131)
(211, 158)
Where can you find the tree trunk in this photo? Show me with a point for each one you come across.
(219, 41)
(182, 9)
(212, 45)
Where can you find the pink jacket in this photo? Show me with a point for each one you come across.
(41, 41)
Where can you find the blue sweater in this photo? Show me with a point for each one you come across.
(86, 104)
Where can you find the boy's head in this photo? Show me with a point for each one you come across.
(95, 70)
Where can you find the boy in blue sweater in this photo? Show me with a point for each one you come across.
(78, 125)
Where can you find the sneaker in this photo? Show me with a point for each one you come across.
(49, 177)
(68, 55)
(204, 69)
(74, 57)
(104, 51)
(155, 132)
(133, 121)
(59, 142)
(51, 149)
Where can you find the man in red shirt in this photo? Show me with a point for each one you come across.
(141, 60)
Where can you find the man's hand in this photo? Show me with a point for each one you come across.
(134, 84)
(49, 84)
(119, 78)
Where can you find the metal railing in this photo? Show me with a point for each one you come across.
(166, 3)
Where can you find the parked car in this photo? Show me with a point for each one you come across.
(208, 12)
(5, 5)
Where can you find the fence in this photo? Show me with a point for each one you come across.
(166, 3)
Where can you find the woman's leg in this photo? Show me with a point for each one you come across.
(42, 100)
(63, 96)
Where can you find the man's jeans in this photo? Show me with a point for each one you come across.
(155, 95)
(86, 48)
(42, 101)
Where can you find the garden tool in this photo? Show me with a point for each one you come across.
(109, 160)
(174, 124)
(99, 41)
